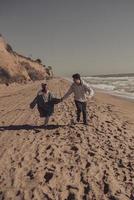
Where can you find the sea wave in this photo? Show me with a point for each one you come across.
(119, 86)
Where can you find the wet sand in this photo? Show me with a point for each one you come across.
(65, 161)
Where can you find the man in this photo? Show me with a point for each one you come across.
(80, 89)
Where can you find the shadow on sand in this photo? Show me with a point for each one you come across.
(30, 127)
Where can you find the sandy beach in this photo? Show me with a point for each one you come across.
(65, 161)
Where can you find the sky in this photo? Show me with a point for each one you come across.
(86, 36)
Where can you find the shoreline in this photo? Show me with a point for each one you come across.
(117, 95)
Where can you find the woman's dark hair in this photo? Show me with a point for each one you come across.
(43, 84)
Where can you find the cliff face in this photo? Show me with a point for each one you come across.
(17, 68)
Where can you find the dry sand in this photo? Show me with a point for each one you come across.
(65, 161)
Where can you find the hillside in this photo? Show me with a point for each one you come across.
(17, 68)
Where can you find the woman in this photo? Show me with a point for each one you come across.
(45, 101)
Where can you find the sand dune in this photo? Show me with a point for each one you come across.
(17, 68)
(65, 161)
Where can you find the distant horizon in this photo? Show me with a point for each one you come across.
(119, 74)
(109, 75)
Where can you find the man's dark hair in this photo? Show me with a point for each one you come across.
(76, 76)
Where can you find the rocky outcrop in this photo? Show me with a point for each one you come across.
(17, 68)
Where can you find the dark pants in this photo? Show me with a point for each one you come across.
(81, 108)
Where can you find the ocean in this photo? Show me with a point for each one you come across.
(119, 86)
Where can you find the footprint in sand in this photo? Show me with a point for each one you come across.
(2, 195)
(71, 196)
(48, 176)
(112, 198)
(46, 196)
(106, 187)
(74, 148)
(36, 131)
(88, 164)
(30, 174)
(86, 186)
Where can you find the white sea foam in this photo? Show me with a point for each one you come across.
(119, 86)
